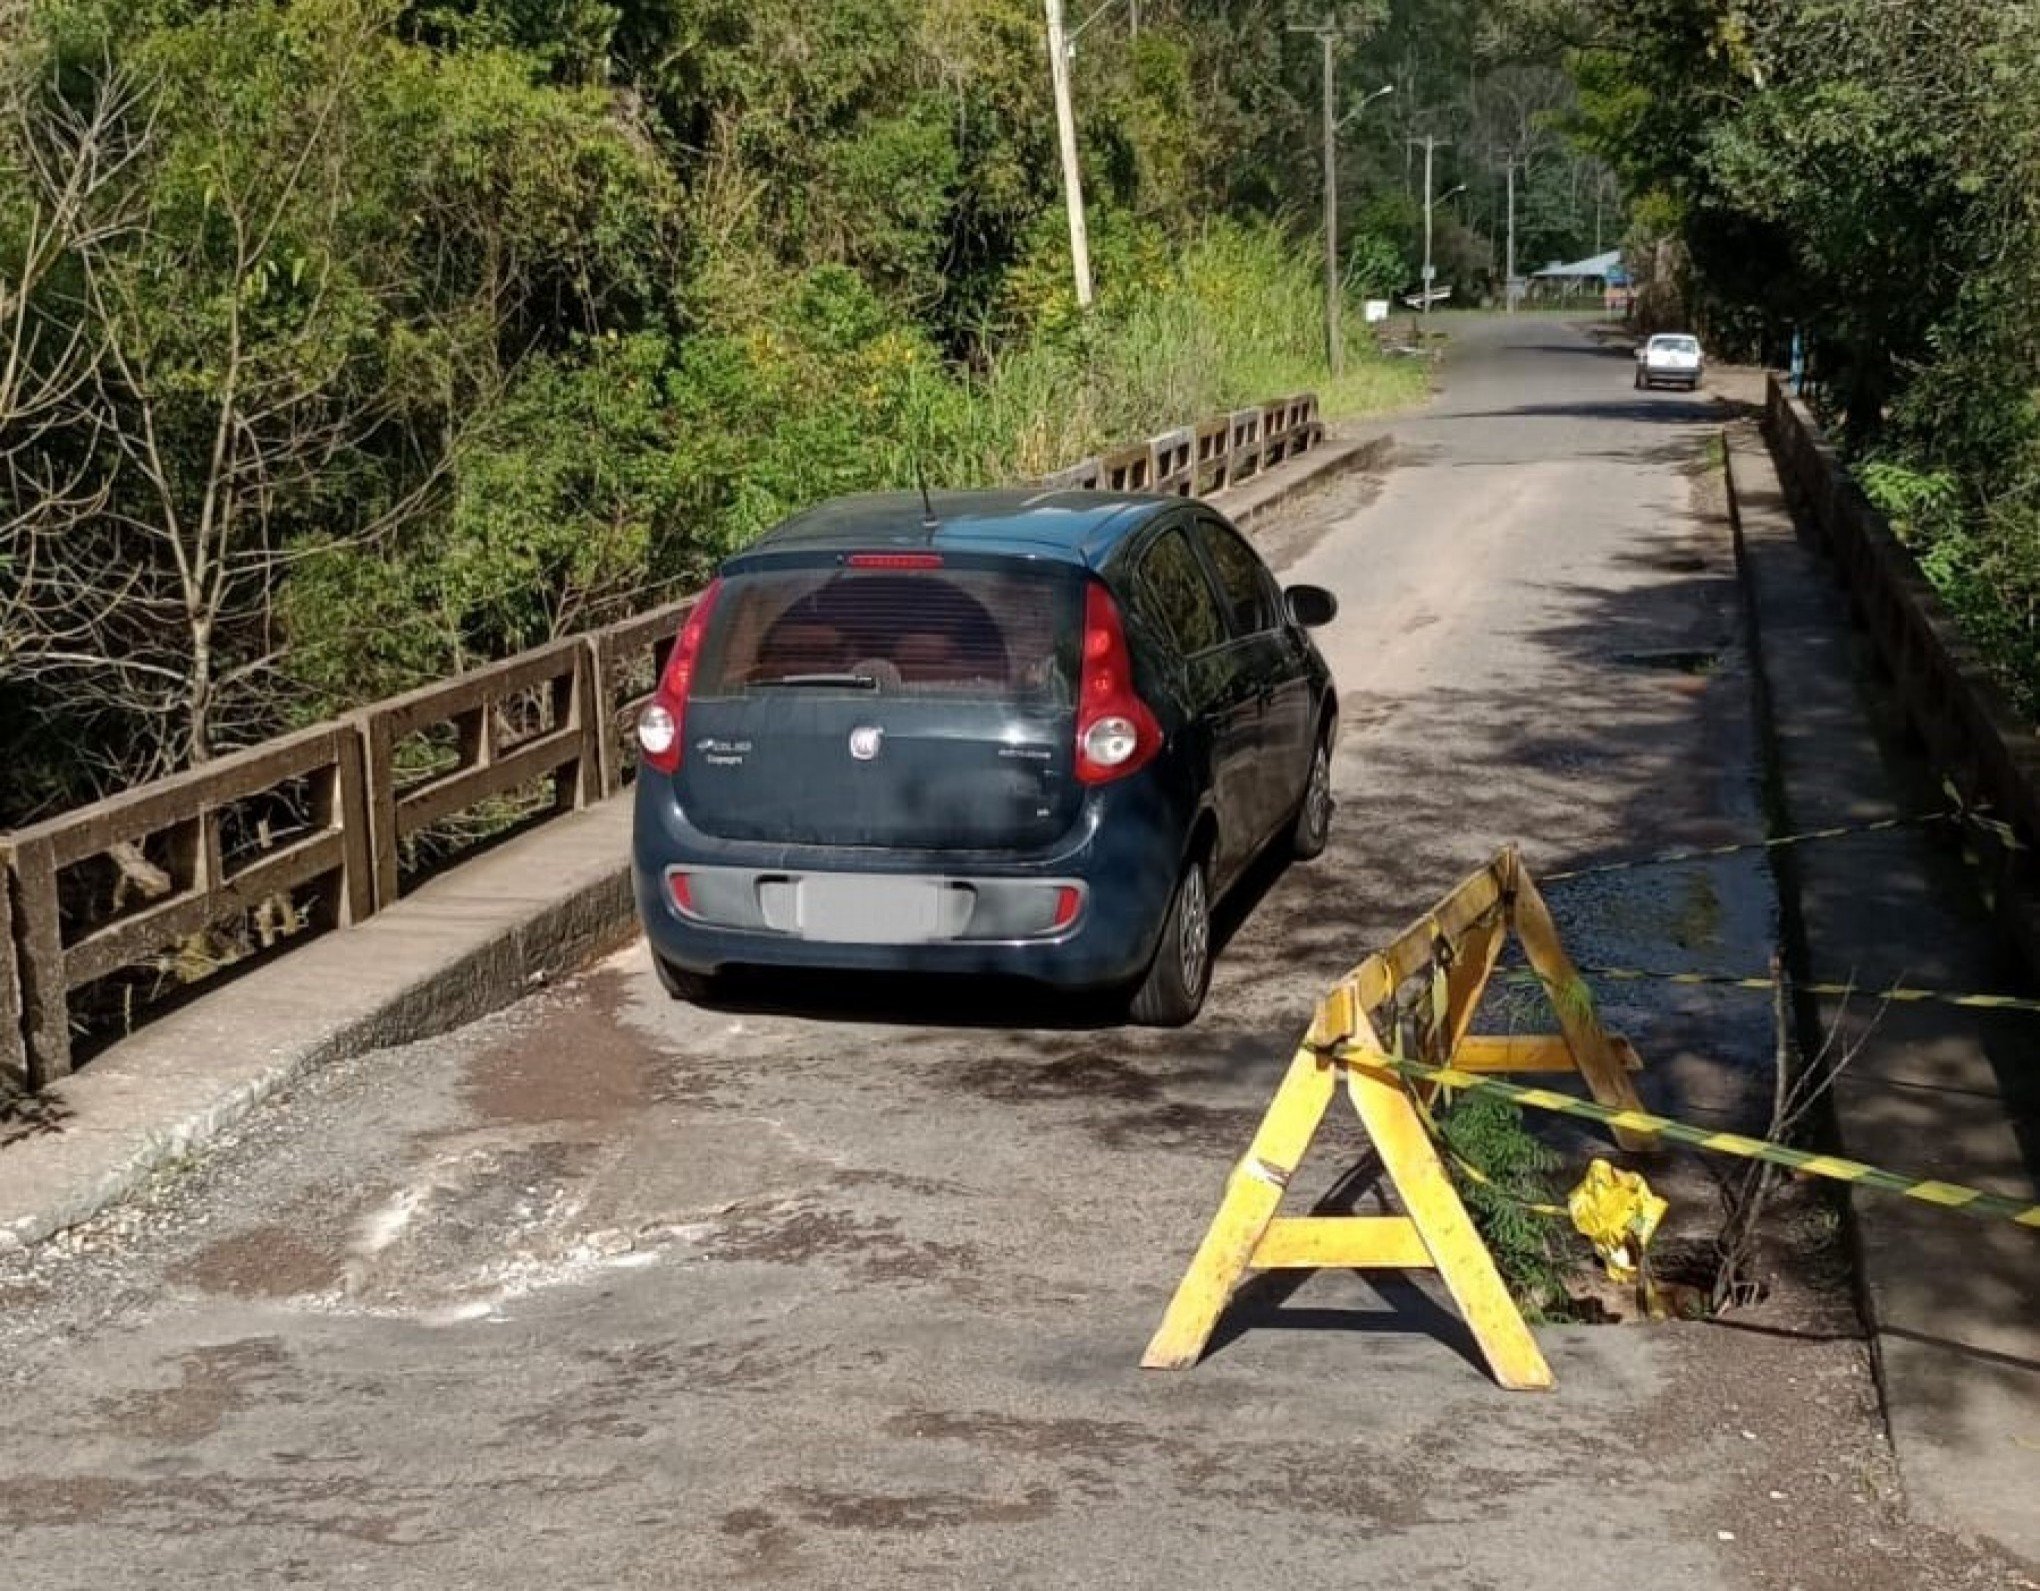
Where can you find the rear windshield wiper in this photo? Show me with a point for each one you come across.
(863, 682)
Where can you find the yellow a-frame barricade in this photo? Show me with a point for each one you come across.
(1459, 942)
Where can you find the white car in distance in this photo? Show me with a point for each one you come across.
(1670, 358)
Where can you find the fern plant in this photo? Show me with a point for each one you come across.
(1532, 1250)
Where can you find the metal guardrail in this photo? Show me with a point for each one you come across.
(314, 828)
(1951, 700)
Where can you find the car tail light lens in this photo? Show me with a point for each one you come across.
(663, 720)
(1116, 734)
(681, 888)
(658, 732)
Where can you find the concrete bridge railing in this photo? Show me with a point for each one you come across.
(1951, 698)
(120, 909)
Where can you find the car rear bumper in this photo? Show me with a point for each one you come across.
(1121, 858)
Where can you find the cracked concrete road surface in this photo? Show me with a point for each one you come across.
(608, 1291)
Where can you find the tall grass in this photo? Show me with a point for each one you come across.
(1239, 319)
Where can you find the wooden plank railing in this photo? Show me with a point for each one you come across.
(514, 724)
(326, 823)
(310, 783)
(11, 1057)
(1205, 457)
(625, 654)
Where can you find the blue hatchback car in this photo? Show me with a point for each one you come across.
(1034, 734)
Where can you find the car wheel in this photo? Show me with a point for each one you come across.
(1172, 993)
(681, 984)
(1311, 830)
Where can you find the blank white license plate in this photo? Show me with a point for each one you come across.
(868, 911)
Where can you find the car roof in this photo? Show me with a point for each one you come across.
(1674, 337)
(1065, 526)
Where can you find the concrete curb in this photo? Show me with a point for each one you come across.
(1248, 504)
(468, 943)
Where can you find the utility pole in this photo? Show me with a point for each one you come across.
(1431, 145)
(1430, 270)
(1509, 279)
(1335, 342)
(1066, 133)
(1328, 34)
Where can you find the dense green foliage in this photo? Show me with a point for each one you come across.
(1501, 1172)
(350, 342)
(1867, 175)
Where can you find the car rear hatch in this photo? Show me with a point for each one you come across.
(904, 700)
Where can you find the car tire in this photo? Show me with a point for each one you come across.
(1172, 993)
(1310, 831)
(693, 987)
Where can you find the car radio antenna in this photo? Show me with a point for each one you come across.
(928, 519)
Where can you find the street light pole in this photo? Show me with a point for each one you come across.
(1431, 145)
(1430, 271)
(1328, 35)
(1509, 281)
(1066, 134)
(1335, 343)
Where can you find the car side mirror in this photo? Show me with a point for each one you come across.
(1310, 606)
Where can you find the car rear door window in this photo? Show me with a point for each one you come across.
(1172, 593)
(1247, 608)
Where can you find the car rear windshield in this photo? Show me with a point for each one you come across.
(1003, 633)
(1675, 345)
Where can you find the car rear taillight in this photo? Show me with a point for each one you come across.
(663, 720)
(1116, 734)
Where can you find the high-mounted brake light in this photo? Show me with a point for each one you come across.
(1116, 733)
(662, 724)
(894, 560)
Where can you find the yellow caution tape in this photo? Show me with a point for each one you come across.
(1958, 812)
(1897, 994)
(1947, 1195)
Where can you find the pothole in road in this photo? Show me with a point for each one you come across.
(1677, 660)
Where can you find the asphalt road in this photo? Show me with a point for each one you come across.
(607, 1291)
